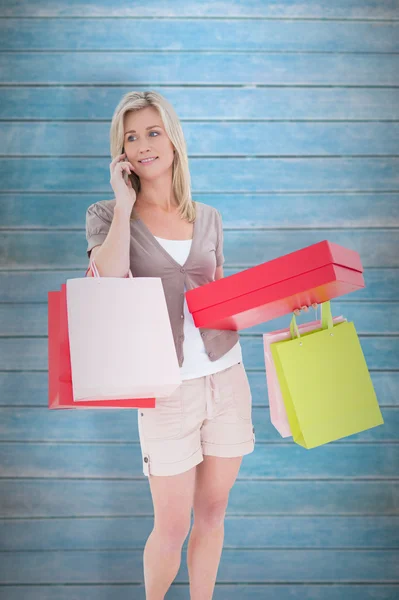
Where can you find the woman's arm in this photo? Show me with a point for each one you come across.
(219, 272)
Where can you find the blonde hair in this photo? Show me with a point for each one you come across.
(181, 180)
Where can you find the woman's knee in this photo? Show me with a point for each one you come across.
(210, 516)
(173, 534)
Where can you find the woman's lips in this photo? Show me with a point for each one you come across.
(148, 162)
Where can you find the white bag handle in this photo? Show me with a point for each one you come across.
(95, 272)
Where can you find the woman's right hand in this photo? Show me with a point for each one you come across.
(120, 170)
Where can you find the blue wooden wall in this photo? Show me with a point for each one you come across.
(291, 114)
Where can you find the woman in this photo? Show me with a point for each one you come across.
(192, 443)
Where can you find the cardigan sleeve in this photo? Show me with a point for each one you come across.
(219, 245)
(97, 226)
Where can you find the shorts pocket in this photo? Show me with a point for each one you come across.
(242, 393)
(165, 421)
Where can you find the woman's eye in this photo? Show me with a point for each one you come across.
(130, 136)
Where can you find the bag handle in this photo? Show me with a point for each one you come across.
(95, 272)
(326, 320)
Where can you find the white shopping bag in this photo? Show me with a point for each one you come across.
(121, 339)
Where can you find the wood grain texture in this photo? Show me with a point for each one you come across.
(290, 111)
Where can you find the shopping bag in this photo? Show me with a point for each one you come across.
(278, 413)
(59, 364)
(325, 383)
(121, 339)
(313, 274)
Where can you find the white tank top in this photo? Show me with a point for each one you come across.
(196, 361)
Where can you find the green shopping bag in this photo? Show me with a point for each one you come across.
(325, 383)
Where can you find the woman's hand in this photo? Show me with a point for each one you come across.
(121, 184)
(305, 308)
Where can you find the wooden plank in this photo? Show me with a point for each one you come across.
(192, 68)
(214, 139)
(30, 388)
(57, 249)
(214, 175)
(287, 210)
(128, 497)
(382, 285)
(171, 35)
(370, 318)
(237, 566)
(292, 9)
(326, 523)
(286, 460)
(26, 353)
(38, 424)
(250, 531)
(223, 591)
(200, 103)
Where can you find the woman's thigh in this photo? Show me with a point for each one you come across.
(173, 498)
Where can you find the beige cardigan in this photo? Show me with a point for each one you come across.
(149, 259)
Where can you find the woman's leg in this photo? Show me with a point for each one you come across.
(173, 497)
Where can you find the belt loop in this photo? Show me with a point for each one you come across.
(208, 379)
(215, 388)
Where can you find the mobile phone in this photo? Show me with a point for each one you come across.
(125, 174)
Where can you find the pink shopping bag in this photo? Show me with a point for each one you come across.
(278, 414)
(121, 339)
(60, 395)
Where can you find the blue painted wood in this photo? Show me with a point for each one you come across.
(196, 35)
(216, 139)
(215, 175)
(381, 352)
(222, 592)
(269, 211)
(27, 388)
(370, 318)
(238, 566)
(285, 460)
(196, 103)
(285, 107)
(35, 424)
(291, 9)
(76, 498)
(249, 531)
(382, 285)
(210, 68)
(243, 248)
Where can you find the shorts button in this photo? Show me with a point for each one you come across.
(142, 414)
(202, 334)
(210, 353)
(181, 270)
(146, 459)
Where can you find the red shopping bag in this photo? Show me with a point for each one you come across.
(316, 273)
(59, 363)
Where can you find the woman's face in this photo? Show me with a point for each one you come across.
(148, 139)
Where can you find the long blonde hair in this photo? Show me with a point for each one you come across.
(181, 180)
